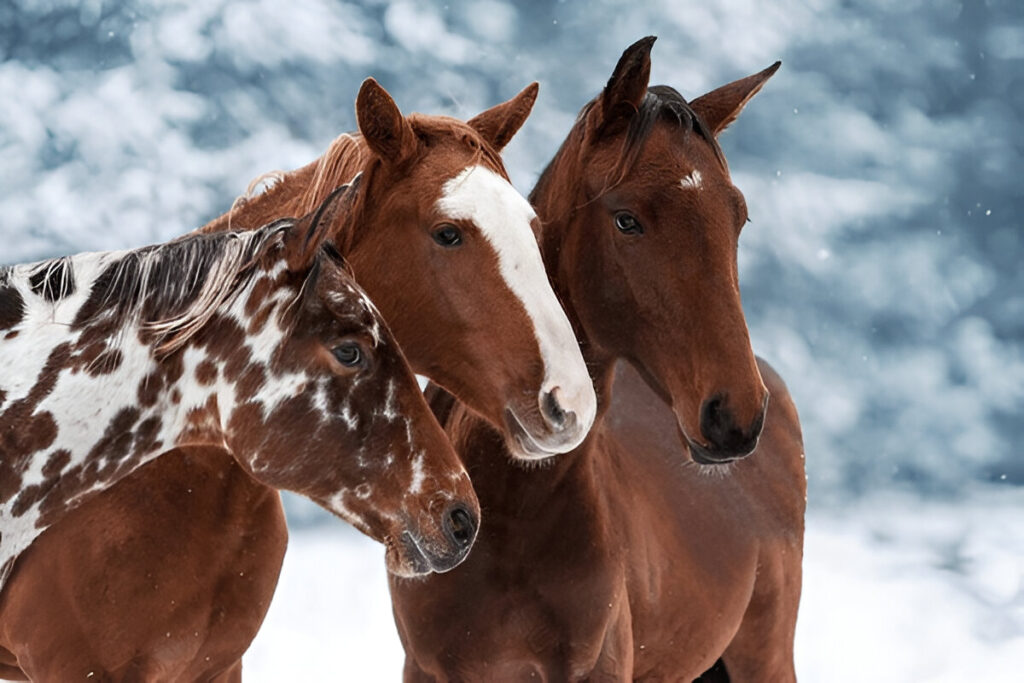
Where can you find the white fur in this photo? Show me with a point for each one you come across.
(692, 181)
(418, 475)
(503, 217)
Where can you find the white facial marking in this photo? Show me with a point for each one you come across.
(692, 181)
(503, 217)
(418, 476)
(389, 412)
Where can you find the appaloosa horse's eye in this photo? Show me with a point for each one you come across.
(349, 354)
(628, 224)
(448, 235)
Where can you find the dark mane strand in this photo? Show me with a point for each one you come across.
(173, 289)
(53, 280)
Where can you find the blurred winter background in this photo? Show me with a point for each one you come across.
(881, 273)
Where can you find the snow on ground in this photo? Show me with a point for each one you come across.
(331, 615)
(895, 589)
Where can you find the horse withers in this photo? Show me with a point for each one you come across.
(259, 343)
(670, 541)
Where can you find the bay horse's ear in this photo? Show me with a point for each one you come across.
(382, 125)
(498, 124)
(305, 237)
(721, 106)
(627, 86)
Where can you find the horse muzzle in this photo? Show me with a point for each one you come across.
(423, 555)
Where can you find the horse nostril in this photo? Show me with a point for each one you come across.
(552, 410)
(719, 427)
(460, 525)
(711, 419)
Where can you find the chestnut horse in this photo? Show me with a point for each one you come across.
(443, 244)
(259, 343)
(666, 540)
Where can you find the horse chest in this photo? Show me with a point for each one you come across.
(515, 610)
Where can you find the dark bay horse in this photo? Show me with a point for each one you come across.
(443, 245)
(671, 538)
(258, 343)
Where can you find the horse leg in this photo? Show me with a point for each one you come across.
(412, 673)
(762, 649)
(9, 669)
(12, 672)
(716, 674)
(615, 661)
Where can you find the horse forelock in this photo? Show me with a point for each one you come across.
(661, 103)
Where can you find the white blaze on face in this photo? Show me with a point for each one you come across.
(503, 217)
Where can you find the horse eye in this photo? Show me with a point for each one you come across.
(448, 236)
(349, 354)
(628, 224)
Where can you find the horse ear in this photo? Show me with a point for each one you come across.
(627, 86)
(382, 125)
(305, 237)
(498, 124)
(721, 106)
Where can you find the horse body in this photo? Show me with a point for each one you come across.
(672, 537)
(458, 320)
(650, 578)
(189, 627)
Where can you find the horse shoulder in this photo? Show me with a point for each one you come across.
(781, 407)
(780, 454)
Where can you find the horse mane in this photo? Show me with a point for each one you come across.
(660, 103)
(347, 155)
(172, 290)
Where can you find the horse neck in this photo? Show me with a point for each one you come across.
(90, 403)
(298, 192)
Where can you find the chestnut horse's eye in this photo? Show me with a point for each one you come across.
(448, 235)
(349, 354)
(628, 224)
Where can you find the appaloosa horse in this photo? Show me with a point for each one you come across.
(653, 549)
(258, 343)
(443, 244)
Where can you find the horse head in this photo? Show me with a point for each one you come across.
(642, 221)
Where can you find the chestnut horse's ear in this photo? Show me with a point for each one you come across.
(306, 235)
(627, 86)
(721, 106)
(498, 124)
(382, 125)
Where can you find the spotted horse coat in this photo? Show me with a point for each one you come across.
(241, 340)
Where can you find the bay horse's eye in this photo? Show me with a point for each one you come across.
(349, 354)
(448, 235)
(628, 224)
